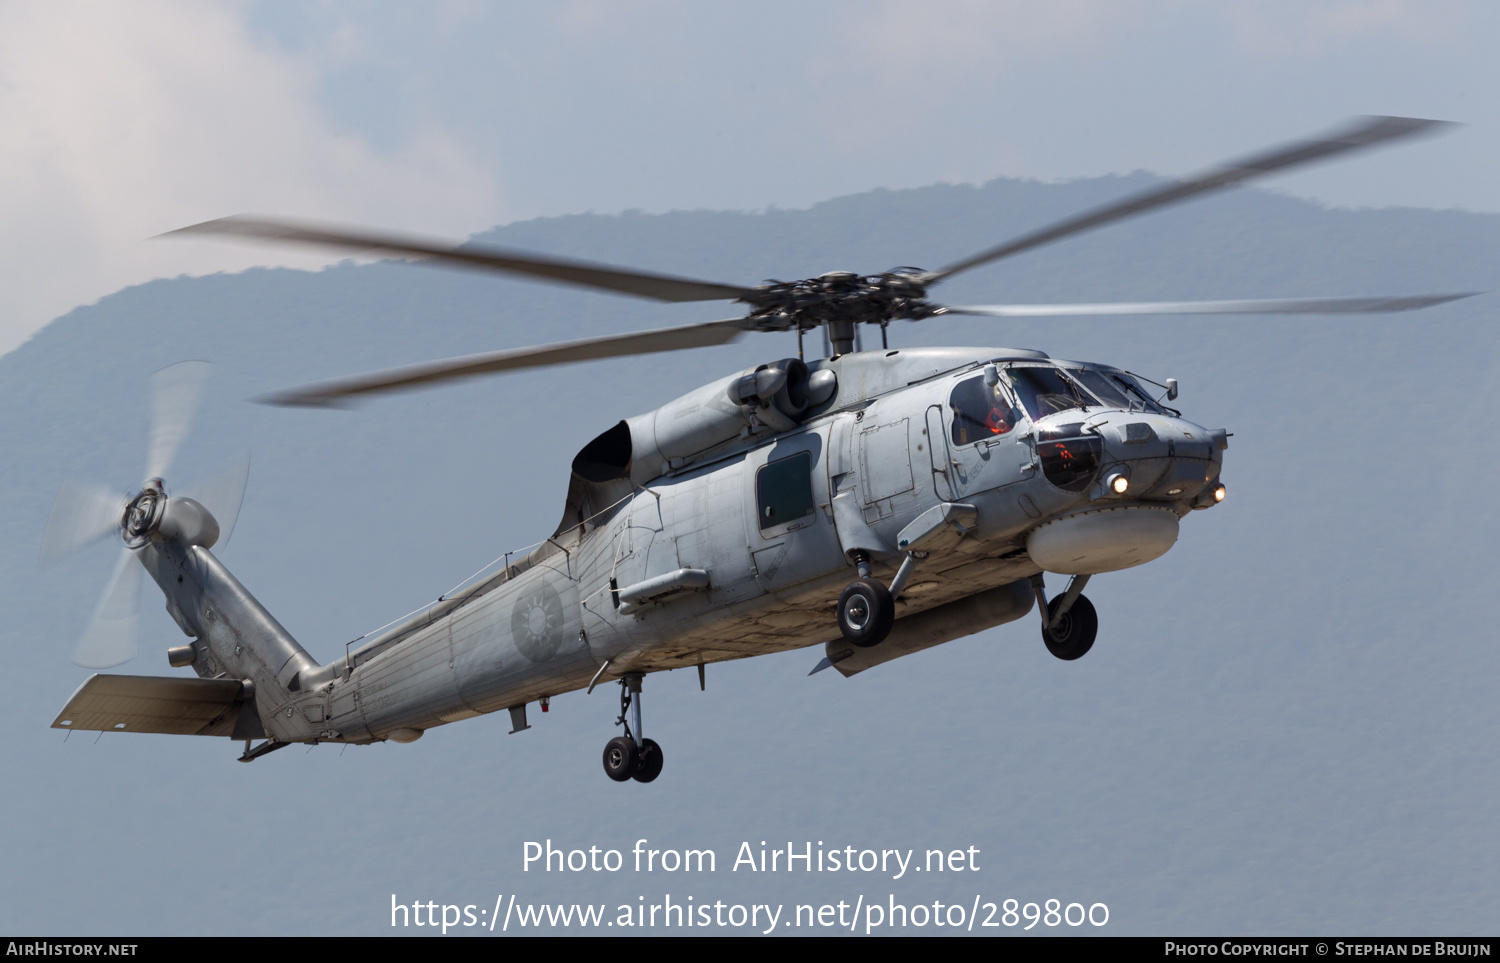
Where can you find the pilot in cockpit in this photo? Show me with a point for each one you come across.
(980, 411)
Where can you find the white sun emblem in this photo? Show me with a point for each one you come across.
(536, 623)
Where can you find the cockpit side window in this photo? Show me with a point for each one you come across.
(1045, 390)
(980, 411)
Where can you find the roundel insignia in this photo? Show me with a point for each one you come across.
(536, 623)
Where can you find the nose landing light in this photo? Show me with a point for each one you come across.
(1210, 497)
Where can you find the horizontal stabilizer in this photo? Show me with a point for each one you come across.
(143, 703)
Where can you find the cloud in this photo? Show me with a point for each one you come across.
(121, 121)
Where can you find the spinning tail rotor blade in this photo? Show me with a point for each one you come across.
(111, 636)
(81, 515)
(222, 493)
(1262, 306)
(84, 514)
(1362, 133)
(641, 284)
(174, 398)
(332, 393)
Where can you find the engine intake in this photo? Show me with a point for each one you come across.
(771, 396)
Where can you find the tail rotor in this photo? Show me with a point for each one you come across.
(87, 513)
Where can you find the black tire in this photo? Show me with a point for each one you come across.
(866, 612)
(621, 758)
(649, 766)
(1074, 633)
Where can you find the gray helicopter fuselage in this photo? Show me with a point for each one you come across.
(742, 547)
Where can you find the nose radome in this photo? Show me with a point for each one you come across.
(1163, 458)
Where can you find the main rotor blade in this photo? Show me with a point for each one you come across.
(330, 393)
(222, 493)
(641, 284)
(1363, 132)
(81, 515)
(112, 632)
(174, 399)
(1264, 306)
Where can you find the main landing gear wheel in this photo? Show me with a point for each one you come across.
(630, 756)
(649, 766)
(622, 759)
(1072, 635)
(866, 612)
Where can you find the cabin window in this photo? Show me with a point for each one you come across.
(783, 491)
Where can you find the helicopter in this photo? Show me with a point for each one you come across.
(874, 502)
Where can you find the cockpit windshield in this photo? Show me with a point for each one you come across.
(1132, 396)
(1103, 387)
(1045, 390)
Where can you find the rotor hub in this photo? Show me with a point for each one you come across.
(843, 298)
(144, 513)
